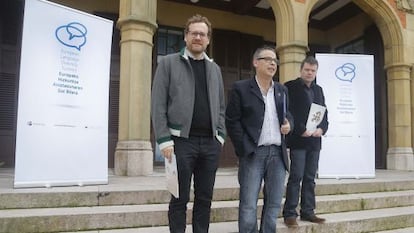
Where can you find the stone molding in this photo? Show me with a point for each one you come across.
(400, 158)
(406, 5)
(133, 158)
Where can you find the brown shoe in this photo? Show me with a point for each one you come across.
(313, 218)
(291, 222)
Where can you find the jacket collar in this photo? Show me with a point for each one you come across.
(300, 80)
(272, 83)
(254, 87)
(186, 54)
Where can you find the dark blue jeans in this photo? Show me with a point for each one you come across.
(264, 166)
(303, 167)
(198, 157)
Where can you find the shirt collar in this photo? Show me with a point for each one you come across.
(187, 54)
(272, 84)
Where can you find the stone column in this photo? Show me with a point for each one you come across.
(291, 35)
(137, 23)
(400, 152)
(291, 56)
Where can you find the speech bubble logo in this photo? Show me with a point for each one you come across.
(72, 35)
(346, 72)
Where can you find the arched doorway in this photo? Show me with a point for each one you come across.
(365, 38)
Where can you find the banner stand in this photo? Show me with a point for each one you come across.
(62, 121)
(348, 147)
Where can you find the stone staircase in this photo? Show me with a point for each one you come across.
(139, 205)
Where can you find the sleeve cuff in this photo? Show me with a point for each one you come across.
(166, 144)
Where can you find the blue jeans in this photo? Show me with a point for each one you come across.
(198, 157)
(265, 165)
(303, 167)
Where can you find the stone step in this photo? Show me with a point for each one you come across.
(401, 230)
(399, 219)
(129, 216)
(364, 201)
(119, 195)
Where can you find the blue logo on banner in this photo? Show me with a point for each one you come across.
(346, 72)
(72, 35)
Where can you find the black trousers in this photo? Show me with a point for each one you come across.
(198, 157)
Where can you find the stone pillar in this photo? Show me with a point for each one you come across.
(291, 56)
(400, 152)
(291, 35)
(137, 23)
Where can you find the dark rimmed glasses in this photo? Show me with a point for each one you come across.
(269, 60)
(194, 34)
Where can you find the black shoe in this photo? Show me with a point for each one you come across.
(313, 218)
(291, 222)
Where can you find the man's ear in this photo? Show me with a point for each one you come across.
(254, 63)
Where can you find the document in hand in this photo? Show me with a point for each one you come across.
(315, 116)
(171, 174)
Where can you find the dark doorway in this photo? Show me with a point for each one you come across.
(374, 45)
(233, 52)
(370, 43)
(11, 21)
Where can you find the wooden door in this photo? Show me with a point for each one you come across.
(233, 51)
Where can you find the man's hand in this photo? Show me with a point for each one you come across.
(285, 128)
(318, 133)
(167, 152)
(307, 134)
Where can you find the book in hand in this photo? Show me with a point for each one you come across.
(171, 174)
(316, 114)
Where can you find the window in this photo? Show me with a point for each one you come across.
(169, 40)
(355, 47)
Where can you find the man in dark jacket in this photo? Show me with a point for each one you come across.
(257, 121)
(304, 145)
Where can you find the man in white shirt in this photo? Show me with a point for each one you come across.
(257, 120)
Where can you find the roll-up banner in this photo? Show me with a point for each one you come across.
(348, 148)
(62, 122)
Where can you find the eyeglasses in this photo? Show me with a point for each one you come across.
(269, 60)
(195, 34)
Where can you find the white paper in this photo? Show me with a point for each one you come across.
(171, 174)
(315, 116)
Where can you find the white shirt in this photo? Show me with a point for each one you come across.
(270, 134)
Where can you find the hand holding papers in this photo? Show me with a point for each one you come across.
(171, 174)
(315, 117)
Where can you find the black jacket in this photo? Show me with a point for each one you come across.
(299, 107)
(245, 114)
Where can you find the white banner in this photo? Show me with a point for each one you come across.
(348, 148)
(62, 123)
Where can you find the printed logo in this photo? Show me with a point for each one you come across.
(72, 35)
(316, 117)
(346, 72)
